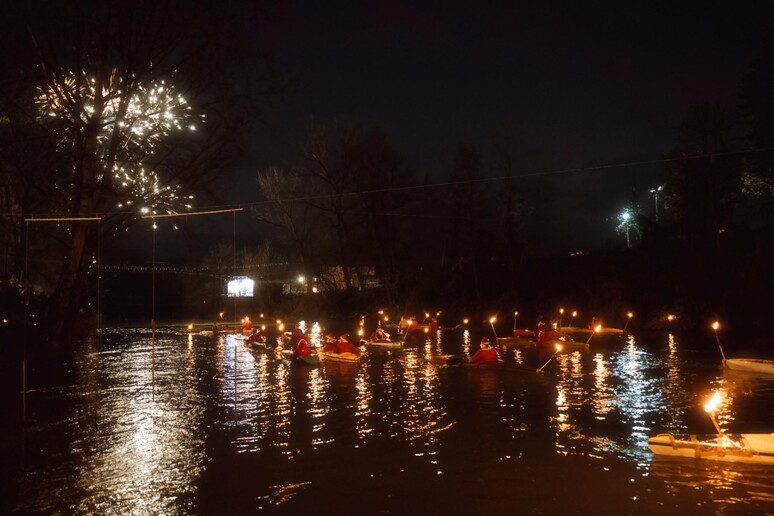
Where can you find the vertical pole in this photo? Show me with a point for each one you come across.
(153, 314)
(26, 322)
(235, 379)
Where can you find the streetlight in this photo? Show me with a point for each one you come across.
(655, 192)
(625, 217)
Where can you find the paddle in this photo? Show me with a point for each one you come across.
(558, 349)
(456, 360)
(715, 327)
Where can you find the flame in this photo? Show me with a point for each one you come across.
(492, 319)
(629, 315)
(715, 325)
(597, 328)
(558, 348)
(713, 403)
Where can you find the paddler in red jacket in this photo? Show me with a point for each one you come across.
(330, 344)
(486, 354)
(296, 335)
(256, 336)
(302, 350)
(345, 346)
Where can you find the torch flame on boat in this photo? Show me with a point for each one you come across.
(713, 403)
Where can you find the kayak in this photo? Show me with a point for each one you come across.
(311, 360)
(750, 448)
(517, 342)
(385, 343)
(261, 344)
(751, 365)
(589, 331)
(567, 345)
(339, 357)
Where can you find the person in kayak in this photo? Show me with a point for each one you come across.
(486, 354)
(302, 350)
(540, 335)
(247, 324)
(345, 346)
(297, 335)
(379, 335)
(256, 336)
(330, 344)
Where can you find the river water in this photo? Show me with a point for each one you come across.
(196, 425)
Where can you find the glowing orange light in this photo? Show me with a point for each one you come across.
(492, 319)
(715, 325)
(558, 347)
(630, 315)
(597, 328)
(713, 403)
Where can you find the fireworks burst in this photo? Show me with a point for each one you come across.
(131, 125)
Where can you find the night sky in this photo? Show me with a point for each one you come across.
(586, 86)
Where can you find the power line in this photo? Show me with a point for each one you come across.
(225, 208)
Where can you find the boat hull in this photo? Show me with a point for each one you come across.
(747, 448)
(752, 365)
(567, 345)
(385, 343)
(340, 357)
(516, 342)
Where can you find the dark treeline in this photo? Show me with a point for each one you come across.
(366, 224)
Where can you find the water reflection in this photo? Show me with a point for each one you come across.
(390, 422)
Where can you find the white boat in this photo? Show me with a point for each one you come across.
(579, 330)
(567, 345)
(751, 365)
(518, 342)
(749, 448)
(339, 357)
(385, 343)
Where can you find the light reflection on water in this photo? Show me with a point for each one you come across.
(396, 418)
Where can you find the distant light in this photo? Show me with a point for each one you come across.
(492, 319)
(301, 279)
(715, 325)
